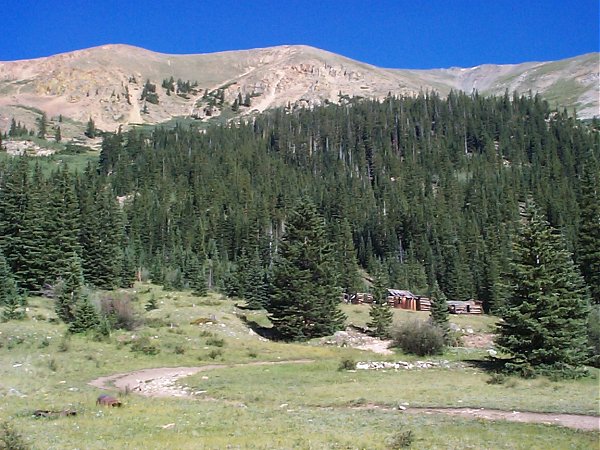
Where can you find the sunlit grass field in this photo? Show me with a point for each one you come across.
(311, 405)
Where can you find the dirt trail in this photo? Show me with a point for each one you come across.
(576, 421)
(162, 382)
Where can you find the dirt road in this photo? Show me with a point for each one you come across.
(162, 382)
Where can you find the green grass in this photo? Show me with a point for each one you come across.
(359, 315)
(49, 164)
(308, 405)
(321, 384)
(563, 93)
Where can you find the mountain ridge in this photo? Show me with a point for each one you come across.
(106, 83)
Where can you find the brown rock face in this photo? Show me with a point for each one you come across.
(107, 83)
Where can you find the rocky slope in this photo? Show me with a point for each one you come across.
(107, 83)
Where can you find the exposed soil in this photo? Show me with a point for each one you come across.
(576, 421)
(162, 382)
(478, 340)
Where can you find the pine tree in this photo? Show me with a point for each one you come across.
(90, 129)
(85, 316)
(345, 254)
(380, 313)
(102, 237)
(57, 134)
(152, 304)
(69, 290)
(42, 126)
(13, 309)
(543, 325)
(256, 290)
(9, 299)
(197, 278)
(588, 251)
(61, 224)
(33, 269)
(439, 309)
(305, 298)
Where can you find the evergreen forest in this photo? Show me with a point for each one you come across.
(426, 193)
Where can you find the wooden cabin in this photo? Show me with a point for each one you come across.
(361, 297)
(407, 300)
(465, 307)
(424, 303)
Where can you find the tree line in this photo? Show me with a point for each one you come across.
(427, 192)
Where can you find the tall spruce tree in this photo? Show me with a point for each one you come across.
(42, 122)
(196, 276)
(543, 326)
(69, 290)
(380, 313)
(10, 301)
(85, 316)
(305, 298)
(439, 309)
(256, 290)
(588, 251)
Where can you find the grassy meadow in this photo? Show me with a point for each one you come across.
(310, 405)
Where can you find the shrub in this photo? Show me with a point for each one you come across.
(402, 439)
(496, 378)
(144, 345)
(215, 342)
(594, 336)
(179, 349)
(419, 337)
(10, 439)
(155, 322)
(347, 364)
(215, 353)
(119, 311)
(151, 305)
(65, 343)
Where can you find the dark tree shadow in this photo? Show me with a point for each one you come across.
(490, 365)
(265, 332)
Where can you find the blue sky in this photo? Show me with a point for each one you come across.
(387, 33)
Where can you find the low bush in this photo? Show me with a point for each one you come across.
(402, 439)
(118, 309)
(10, 439)
(215, 353)
(144, 345)
(179, 350)
(65, 343)
(496, 378)
(215, 342)
(419, 337)
(155, 322)
(347, 364)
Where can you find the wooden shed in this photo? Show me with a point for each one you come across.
(424, 303)
(402, 299)
(361, 297)
(465, 307)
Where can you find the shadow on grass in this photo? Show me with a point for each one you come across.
(265, 332)
(487, 365)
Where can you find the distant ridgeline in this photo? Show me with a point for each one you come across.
(431, 187)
